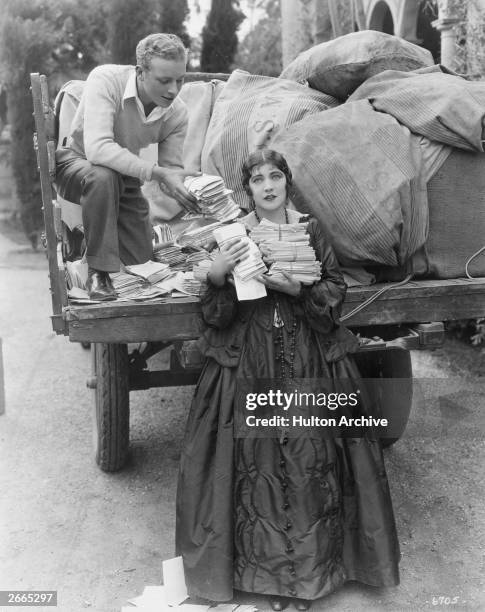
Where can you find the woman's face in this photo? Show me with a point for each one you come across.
(268, 187)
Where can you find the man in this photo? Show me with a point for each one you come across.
(122, 110)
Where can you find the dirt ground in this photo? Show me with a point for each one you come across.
(99, 538)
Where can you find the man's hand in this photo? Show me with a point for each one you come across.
(231, 253)
(172, 183)
(281, 281)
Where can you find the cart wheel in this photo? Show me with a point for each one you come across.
(396, 404)
(112, 403)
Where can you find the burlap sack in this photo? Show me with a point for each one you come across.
(339, 66)
(249, 113)
(361, 174)
(65, 107)
(456, 198)
(443, 107)
(456, 195)
(199, 98)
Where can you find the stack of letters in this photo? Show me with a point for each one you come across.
(199, 256)
(171, 255)
(151, 271)
(161, 235)
(128, 285)
(267, 231)
(252, 265)
(198, 236)
(288, 247)
(213, 199)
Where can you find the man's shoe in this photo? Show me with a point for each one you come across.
(278, 603)
(302, 604)
(99, 286)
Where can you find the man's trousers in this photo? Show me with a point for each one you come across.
(115, 214)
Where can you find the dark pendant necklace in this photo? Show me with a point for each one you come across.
(280, 341)
(258, 218)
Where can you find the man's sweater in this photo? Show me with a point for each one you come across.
(109, 127)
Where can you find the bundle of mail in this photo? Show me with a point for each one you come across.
(252, 265)
(213, 199)
(162, 235)
(198, 236)
(197, 257)
(306, 272)
(288, 247)
(151, 271)
(295, 258)
(189, 284)
(246, 271)
(268, 231)
(143, 282)
(172, 255)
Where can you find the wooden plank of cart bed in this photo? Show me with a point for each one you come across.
(170, 319)
(419, 301)
(180, 319)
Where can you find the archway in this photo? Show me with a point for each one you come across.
(381, 18)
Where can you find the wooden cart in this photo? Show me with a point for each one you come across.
(405, 317)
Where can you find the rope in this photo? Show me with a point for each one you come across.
(375, 296)
(470, 260)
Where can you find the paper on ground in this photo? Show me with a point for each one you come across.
(174, 581)
(151, 600)
(169, 597)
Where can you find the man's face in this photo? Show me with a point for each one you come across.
(161, 83)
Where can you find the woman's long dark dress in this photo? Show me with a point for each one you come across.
(286, 516)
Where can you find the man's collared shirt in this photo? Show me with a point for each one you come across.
(131, 92)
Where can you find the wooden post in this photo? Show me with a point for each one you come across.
(45, 148)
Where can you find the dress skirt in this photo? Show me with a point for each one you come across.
(288, 516)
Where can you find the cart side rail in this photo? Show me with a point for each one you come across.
(45, 146)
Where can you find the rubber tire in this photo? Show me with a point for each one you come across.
(112, 405)
(391, 363)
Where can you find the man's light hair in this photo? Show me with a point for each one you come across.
(166, 46)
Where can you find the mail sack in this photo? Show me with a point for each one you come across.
(361, 174)
(248, 114)
(339, 66)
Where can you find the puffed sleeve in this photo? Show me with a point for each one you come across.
(219, 305)
(321, 302)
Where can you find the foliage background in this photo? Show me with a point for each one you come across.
(65, 39)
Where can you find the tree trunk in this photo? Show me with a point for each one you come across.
(24, 163)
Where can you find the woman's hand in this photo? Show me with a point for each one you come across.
(230, 254)
(282, 281)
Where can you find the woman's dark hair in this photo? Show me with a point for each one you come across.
(265, 156)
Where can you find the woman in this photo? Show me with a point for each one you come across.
(290, 517)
